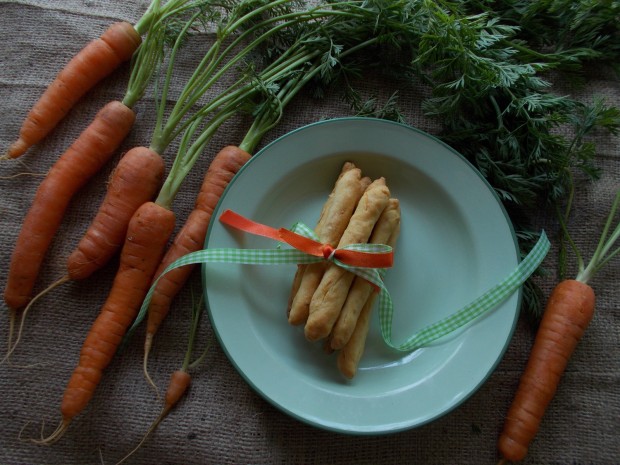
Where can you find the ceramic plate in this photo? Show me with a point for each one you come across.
(456, 241)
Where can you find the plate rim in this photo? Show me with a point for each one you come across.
(364, 431)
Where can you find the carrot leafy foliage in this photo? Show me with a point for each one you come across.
(490, 72)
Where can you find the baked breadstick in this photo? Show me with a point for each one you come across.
(351, 353)
(295, 287)
(332, 291)
(361, 289)
(301, 268)
(333, 221)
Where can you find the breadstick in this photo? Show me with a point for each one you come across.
(347, 166)
(332, 291)
(351, 353)
(333, 220)
(361, 289)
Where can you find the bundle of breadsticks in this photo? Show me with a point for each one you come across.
(333, 303)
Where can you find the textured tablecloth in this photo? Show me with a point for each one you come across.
(222, 420)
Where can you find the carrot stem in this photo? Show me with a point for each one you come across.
(602, 252)
(188, 156)
(197, 311)
(156, 12)
(213, 67)
(161, 139)
(147, 18)
(143, 65)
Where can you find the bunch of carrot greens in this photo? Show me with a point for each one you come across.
(583, 31)
(492, 93)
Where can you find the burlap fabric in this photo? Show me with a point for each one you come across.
(222, 420)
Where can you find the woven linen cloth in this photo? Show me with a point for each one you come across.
(222, 420)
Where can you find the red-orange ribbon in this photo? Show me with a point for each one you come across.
(310, 246)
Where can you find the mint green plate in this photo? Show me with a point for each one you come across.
(456, 242)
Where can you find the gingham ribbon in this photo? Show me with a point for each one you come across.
(278, 256)
(487, 301)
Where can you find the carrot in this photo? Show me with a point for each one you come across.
(82, 160)
(191, 237)
(147, 236)
(568, 313)
(134, 181)
(93, 63)
(179, 382)
(180, 379)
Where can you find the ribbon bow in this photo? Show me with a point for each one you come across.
(302, 238)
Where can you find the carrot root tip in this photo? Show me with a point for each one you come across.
(147, 349)
(17, 175)
(12, 348)
(55, 436)
(148, 343)
(152, 428)
(17, 149)
(9, 350)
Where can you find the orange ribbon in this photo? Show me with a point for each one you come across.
(310, 246)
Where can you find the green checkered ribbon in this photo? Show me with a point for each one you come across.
(487, 301)
(278, 256)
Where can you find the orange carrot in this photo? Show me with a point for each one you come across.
(135, 180)
(179, 382)
(568, 313)
(93, 148)
(192, 236)
(93, 63)
(147, 236)
(180, 379)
